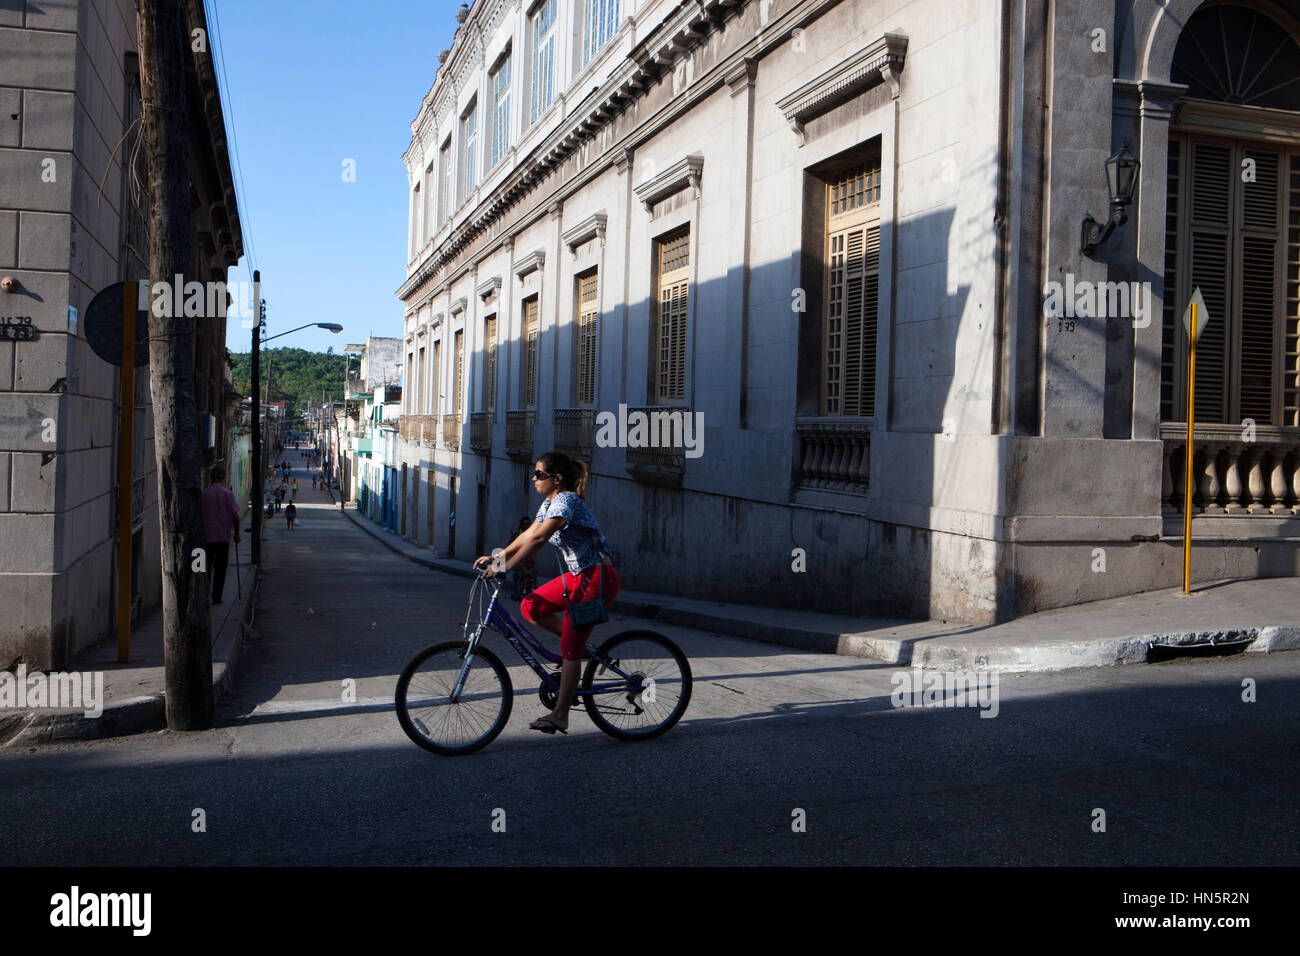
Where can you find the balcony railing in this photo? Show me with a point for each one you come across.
(480, 431)
(451, 430)
(573, 431)
(659, 458)
(1237, 471)
(519, 434)
(418, 428)
(834, 454)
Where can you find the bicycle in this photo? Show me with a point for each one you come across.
(464, 688)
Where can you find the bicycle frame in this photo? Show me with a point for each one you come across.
(521, 639)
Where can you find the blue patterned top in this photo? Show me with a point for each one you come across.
(580, 541)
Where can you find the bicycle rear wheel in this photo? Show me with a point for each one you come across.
(450, 728)
(651, 698)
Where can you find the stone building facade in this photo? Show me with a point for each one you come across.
(69, 106)
(833, 237)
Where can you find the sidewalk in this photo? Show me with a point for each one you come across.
(133, 693)
(1263, 615)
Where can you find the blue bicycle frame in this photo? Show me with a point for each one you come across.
(498, 618)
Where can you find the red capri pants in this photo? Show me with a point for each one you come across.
(549, 599)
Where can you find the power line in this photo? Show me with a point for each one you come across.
(228, 107)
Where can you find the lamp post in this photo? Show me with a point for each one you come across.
(259, 470)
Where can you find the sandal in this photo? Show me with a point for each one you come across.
(547, 726)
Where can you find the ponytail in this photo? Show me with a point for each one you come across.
(573, 472)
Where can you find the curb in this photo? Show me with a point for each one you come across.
(938, 653)
(135, 714)
(432, 563)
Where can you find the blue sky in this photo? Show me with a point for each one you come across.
(312, 83)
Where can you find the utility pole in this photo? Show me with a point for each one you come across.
(187, 636)
(259, 470)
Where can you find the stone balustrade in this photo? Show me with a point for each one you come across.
(834, 454)
(1233, 476)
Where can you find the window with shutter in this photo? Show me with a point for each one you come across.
(460, 365)
(489, 363)
(501, 109)
(852, 291)
(1233, 219)
(543, 74)
(586, 352)
(437, 366)
(1237, 232)
(671, 316)
(419, 388)
(530, 353)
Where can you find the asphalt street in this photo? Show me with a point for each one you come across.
(1185, 770)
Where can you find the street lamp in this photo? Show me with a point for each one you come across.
(1121, 179)
(258, 469)
(331, 326)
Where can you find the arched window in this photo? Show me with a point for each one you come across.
(1231, 53)
(1233, 218)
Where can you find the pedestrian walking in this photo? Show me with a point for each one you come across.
(525, 576)
(220, 519)
(295, 489)
(313, 481)
(291, 516)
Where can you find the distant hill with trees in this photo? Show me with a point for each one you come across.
(297, 376)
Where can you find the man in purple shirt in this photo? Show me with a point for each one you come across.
(220, 518)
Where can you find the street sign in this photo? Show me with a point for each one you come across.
(104, 325)
(1202, 313)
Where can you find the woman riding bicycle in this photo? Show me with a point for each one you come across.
(565, 520)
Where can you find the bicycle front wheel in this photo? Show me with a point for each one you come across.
(651, 693)
(469, 723)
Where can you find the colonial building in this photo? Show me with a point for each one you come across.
(843, 246)
(74, 219)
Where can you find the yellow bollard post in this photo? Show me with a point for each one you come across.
(1191, 415)
(125, 478)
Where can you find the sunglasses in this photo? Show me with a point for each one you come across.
(540, 475)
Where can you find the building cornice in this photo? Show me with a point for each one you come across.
(646, 63)
(489, 288)
(655, 55)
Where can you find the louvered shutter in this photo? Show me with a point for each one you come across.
(489, 363)
(1291, 320)
(852, 291)
(437, 369)
(587, 313)
(1259, 287)
(530, 359)
(460, 364)
(1169, 368)
(1212, 188)
(674, 295)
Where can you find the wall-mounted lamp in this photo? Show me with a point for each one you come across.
(1121, 179)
